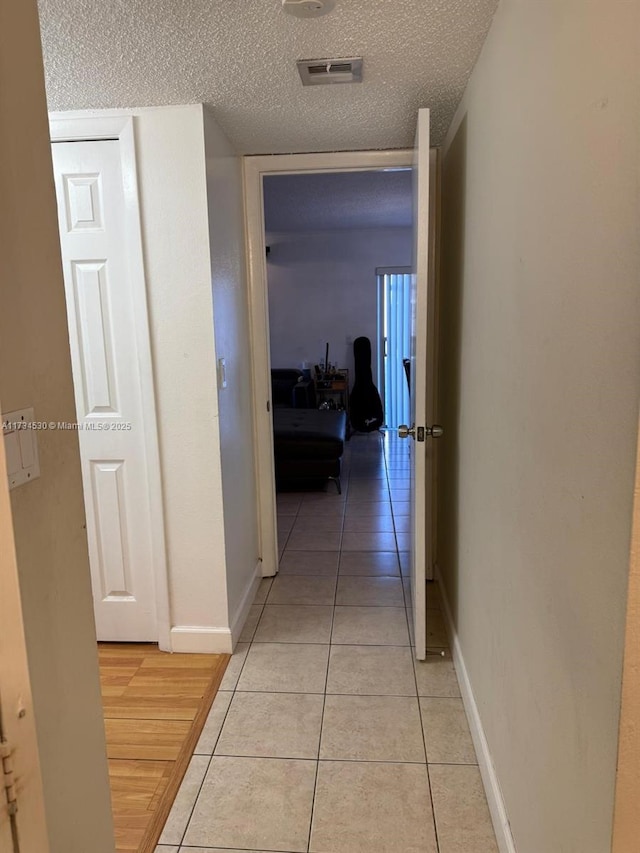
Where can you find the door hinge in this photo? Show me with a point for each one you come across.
(8, 776)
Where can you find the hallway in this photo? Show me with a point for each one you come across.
(326, 735)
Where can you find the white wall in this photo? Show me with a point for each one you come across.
(173, 196)
(322, 287)
(235, 402)
(541, 370)
(47, 514)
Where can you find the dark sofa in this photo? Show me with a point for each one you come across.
(308, 443)
(289, 388)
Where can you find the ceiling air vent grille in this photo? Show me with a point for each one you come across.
(314, 72)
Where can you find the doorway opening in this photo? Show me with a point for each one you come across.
(256, 170)
(423, 165)
(325, 235)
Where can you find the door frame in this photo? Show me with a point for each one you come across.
(17, 719)
(99, 126)
(255, 168)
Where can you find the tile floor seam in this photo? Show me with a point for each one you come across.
(294, 604)
(255, 627)
(187, 848)
(195, 801)
(324, 704)
(213, 750)
(256, 691)
(318, 693)
(384, 760)
(424, 739)
(424, 742)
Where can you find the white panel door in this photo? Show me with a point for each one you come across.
(102, 315)
(422, 384)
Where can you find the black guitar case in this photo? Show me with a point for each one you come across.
(365, 406)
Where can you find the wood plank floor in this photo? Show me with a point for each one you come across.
(155, 705)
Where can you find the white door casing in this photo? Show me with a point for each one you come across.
(424, 161)
(108, 330)
(255, 168)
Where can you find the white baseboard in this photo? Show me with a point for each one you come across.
(240, 616)
(490, 780)
(200, 639)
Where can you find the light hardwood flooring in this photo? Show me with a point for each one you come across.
(155, 705)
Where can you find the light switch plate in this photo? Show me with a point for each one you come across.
(21, 447)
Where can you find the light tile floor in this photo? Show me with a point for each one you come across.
(326, 735)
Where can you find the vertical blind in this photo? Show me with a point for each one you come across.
(395, 322)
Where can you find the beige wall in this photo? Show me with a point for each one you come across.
(626, 831)
(540, 378)
(48, 513)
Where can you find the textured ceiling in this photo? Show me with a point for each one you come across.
(239, 57)
(320, 202)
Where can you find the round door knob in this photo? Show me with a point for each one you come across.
(404, 431)
(435, 431)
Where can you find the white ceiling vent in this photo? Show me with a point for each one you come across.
(315, 72)
(308, 8)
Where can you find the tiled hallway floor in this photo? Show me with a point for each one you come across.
(326, 735)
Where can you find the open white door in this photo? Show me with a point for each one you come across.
(422, 430)
(110, 353)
